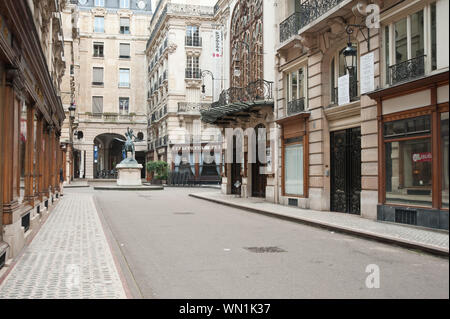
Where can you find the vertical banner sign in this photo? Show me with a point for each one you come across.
(344, 89)
(367, 73)
(217, 55)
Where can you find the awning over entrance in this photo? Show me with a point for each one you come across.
(239, 102)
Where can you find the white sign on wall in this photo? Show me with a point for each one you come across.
(217, 54)
(367, 73)
(344, 89)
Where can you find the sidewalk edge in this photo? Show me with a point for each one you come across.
(360, 233)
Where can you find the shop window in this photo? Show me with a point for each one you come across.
(409, 162)
(293, 167)
(22, 151)
(445, 159)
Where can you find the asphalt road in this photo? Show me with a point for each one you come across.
(175, 246)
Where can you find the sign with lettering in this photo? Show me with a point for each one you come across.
(422, 157)
(344, 89)
(367, 73)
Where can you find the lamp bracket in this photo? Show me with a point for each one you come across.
(350, 29)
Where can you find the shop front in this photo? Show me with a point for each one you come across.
(413, 121)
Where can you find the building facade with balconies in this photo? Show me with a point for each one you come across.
(334, 111)
(179, 62)
(108, 60)
(246, 103)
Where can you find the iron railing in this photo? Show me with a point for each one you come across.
(260, 90)
(162, 141)
(296, 106)
(290, 26)
(186, 107)
(311, 10)
(408, 70)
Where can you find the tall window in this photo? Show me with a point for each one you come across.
(125, 25)
(99, 3)
(99, 24)
(124, 50)
(99, 49)
(97, 76)
(246, 43)
(124, 105)
(97, 104)
(338, 69)
(193, 67)
(124, 4)
(296, 88)
(124, 78)
(293, 166)
(407, 53)
(445, 159)
(193, 36)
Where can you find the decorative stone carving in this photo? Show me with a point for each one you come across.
(309, 41)
(99, 11)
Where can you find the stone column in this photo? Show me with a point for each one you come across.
(89, 164)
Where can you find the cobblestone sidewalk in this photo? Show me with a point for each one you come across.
(69, 258)
(403, 235)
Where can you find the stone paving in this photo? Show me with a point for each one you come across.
(421, 237)
(69, 258)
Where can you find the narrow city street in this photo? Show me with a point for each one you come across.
(176, 246)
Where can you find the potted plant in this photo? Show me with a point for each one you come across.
(158, 172)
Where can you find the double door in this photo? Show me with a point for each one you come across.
(346, 171)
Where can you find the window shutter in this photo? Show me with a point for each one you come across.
(98, 75)
(97, 105)
(124, 50)
(124, 22)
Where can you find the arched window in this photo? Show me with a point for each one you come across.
(246, 43)
(338, 69)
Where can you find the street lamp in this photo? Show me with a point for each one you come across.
(72, 110)
(350, 54)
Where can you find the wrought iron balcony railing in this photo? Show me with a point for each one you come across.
(296, 106)
(260, 90)
(290, 27)
(185, 107)
(162, 141)
(309, 11)
(407, 70)
(354, 94)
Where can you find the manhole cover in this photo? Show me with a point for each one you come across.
(183, 213)
(262, 250)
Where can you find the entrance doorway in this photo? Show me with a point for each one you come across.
(346, 171)
(235, 170)
(259, 181)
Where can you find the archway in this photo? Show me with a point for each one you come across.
(107, 154)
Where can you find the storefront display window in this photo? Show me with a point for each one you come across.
(293, 165)
(445, 160)
(409, 162)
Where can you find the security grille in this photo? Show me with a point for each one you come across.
(26, 222)
(2, 260)
(405, 216)
(293, 202)
(263, 250)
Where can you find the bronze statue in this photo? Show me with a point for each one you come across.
(129, 143)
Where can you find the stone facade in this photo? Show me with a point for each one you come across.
(108, 64)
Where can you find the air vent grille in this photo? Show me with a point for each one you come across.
(406, 216)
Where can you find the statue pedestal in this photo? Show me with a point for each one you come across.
(129, 173)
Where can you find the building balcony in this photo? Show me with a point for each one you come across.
(162, 141)
(290, 27)
(407, 70)
(111, 118)
(192, 108)
(295, 106)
